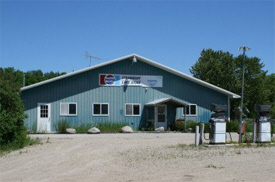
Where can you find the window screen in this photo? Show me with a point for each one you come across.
(68, 109)
(132, 110)
(64, 109)
(129, 109)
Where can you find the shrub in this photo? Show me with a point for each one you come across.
(179, 125)
(191, 124)
(110, 127)
(12, 130)
(232, 126)
(61, 126)
(247, 138)
(83, 128)
(249, 125)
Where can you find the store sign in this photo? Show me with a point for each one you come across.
(130, 80)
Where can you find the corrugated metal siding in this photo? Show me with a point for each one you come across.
(85, 90)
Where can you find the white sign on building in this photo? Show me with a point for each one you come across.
(130, 80)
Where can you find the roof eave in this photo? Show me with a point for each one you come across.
(188, 77)
(146, 60)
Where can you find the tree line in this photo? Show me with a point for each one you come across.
(31, 77)
(225, 70)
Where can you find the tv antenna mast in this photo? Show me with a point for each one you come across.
(88, 56)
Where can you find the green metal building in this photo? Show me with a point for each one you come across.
(132, 90)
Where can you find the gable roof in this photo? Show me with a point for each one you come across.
(145, 60)
(166, 100)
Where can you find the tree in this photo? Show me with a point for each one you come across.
(224, 70)
(270, 87)
(12, 129)
(31, 77)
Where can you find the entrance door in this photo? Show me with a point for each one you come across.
(43, 117)
(161, 116)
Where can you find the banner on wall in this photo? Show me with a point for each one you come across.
(130, 80)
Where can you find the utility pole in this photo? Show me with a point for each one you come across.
(244, 48)
(24, 79)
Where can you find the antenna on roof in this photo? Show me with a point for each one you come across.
(88, 56)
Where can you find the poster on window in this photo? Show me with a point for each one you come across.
(130, 80)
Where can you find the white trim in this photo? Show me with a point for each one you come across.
(68, 109)
(133, 109)
(148, 61)
(100, 109)
(189, 106)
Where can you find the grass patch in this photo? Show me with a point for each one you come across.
(103, 127)
(239, 152)
(4, 149)
(83, 128)
(110, 127)
(247, 138)
(213, 166)
(61, 126)
(185, 146)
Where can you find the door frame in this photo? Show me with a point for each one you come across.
(156, 116)
(48, 128)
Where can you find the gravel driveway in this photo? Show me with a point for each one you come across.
(135, 157)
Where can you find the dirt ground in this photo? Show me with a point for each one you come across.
(135, 157)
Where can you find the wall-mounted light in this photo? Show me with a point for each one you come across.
(134, 60)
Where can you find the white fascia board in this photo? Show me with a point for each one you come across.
(188, 77)
(76, 72)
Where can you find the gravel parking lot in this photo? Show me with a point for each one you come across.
(135, 157)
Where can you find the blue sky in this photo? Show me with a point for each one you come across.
(52, 35)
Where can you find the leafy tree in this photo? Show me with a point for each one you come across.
(12, 129)
(224, 70)
(31, 77)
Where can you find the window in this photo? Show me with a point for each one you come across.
(68, 109)
(44, 111)
(100, 109)
(191, 110)
(132, 109)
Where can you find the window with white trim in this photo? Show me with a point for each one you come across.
(101, 109)
(132, 109)
(191, 110)
(68, 109)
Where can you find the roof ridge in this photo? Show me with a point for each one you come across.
(146, 60)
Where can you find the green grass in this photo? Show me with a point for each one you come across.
(61, 126)
(4, 149)
(103, 127)
(83, 128)
(110, 127)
